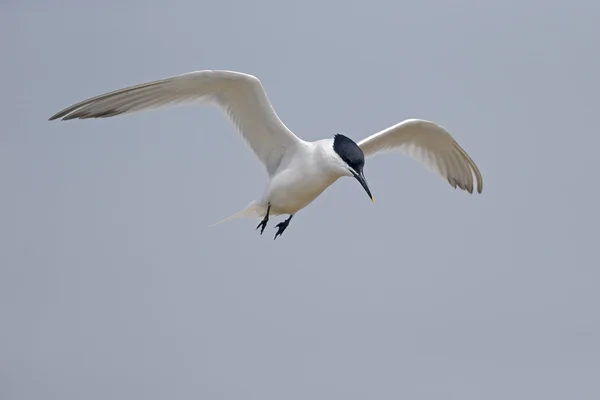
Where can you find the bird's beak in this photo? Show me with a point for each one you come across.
(361, 178)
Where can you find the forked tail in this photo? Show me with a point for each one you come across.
(253, 209)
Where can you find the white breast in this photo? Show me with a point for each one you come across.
(300, 179)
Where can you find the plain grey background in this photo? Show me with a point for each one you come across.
(113, 287)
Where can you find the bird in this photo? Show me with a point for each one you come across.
(298, 170)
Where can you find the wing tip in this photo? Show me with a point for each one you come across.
(467, 188)
(479, 188)
(63, 115)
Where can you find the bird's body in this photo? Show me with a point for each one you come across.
(299, 170)
(302, 176)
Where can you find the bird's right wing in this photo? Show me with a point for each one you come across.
(433, 146)
(241, 96)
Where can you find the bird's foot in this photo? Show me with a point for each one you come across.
(263, 224)
(281, 227)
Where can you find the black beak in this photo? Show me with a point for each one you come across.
(360, 177)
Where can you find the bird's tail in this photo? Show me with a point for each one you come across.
(253, 209)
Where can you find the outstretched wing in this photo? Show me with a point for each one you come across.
(431, 145)
(241, 96)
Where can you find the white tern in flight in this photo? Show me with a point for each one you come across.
(299, 170)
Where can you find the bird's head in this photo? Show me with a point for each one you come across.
(351, 160)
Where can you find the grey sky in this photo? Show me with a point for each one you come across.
(113, 287)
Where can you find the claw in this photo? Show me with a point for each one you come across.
(263, 223)
(281, 227)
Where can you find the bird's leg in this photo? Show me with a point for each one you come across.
(263, 224)
(281, 226)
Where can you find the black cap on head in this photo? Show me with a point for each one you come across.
(349, 152)
(353, 156)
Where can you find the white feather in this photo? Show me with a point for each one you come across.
(241, 96)
(431, 145)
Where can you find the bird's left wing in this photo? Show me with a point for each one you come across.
(431, 145)
(241, 96)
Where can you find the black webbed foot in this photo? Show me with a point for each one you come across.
(263, 224)
(281, 227)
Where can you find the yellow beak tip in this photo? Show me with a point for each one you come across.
(373, 199)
